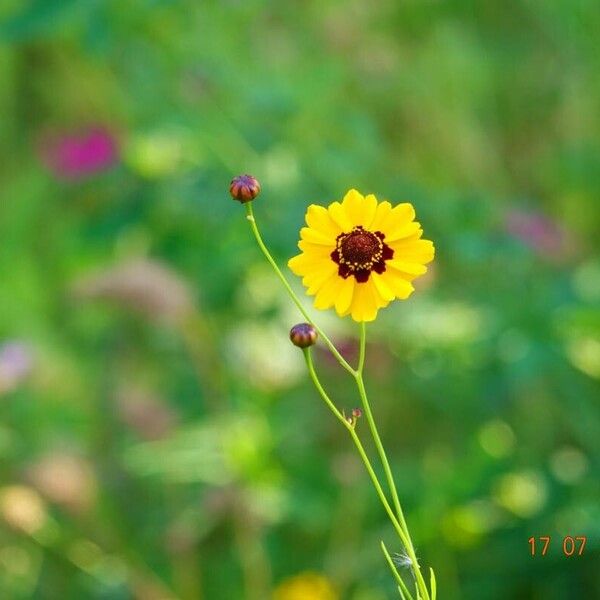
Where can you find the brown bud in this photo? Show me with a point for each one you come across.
(357, 413)
(303, 335)
(244, 188)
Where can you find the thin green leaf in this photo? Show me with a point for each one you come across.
(406, 595)
(433, 584)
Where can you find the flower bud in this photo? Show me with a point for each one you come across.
(244, 188)
(357, 413)
(303, 335)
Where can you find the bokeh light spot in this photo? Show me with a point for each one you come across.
(569, 465)
(497, 438)
(523, 493)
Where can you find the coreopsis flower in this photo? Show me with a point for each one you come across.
(360, 254)
(305, 586)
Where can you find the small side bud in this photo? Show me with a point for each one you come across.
(244, 188)
(357, 413)
(303, 335)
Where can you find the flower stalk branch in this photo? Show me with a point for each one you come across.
(401, 530)
(336, 353)
(357, 256)
(386, 465)
(361, 450)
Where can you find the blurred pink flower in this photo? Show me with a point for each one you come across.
(541, 234)
(16, 361)
(145, 285)
(79, 155)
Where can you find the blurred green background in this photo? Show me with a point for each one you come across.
(159, 438)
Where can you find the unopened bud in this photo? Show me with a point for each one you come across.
(244, 188)
(356, 413)
(303, 335)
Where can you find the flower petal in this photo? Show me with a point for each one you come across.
(316, 277)
(328, 293)
(318, 251)
(339, 216)
(398, 285)
(413, 268)
(399, 223)
(298, 264)
(304, 262)
(404, 212)
(360, 209)
(317, 217)
(344, 298)
(381, 213)
(413, 250)
(383, 289)
(353, 205)
(369, 210)
(316, 237)
(364, 302)
(401, 230)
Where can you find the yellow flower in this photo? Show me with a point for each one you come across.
(360, 254)
(305, 586)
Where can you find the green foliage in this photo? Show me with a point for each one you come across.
(165, 441)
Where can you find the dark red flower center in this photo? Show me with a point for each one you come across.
(360, 252)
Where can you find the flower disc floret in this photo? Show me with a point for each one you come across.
(360, 252)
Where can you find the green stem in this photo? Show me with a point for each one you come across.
(398, 521)
(404, 590)
(373, 427)
(313, 375)
(386, 465)
(362, 348)
(292, 294)
(358, 444)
